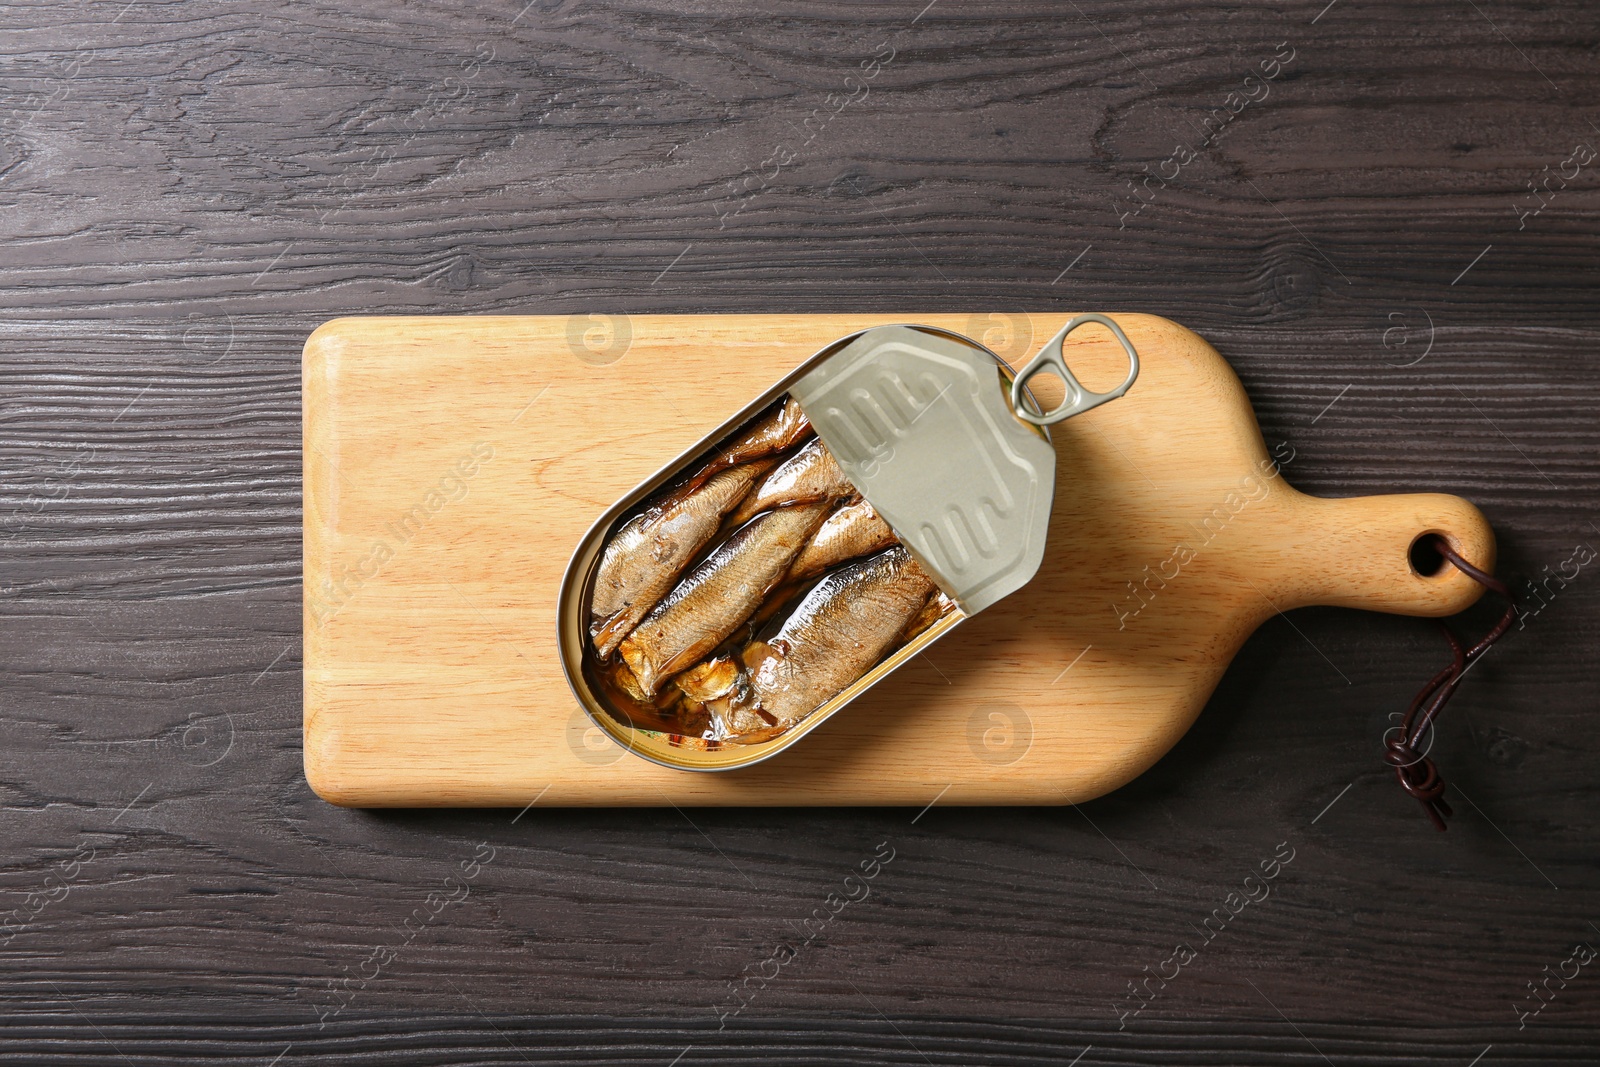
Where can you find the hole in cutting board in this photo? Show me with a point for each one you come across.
(1426, 559)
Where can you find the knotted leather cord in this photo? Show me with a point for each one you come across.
(1416, 772)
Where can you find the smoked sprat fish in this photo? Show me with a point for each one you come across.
(855, 529)
(839, 632)
(720, 690)
(645, 557)
(810, 474)
(770, 528)
(771, 434)
(719, 595)
(938, 606)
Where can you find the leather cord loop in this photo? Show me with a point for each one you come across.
(1415, 771)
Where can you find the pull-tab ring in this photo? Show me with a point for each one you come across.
(1053, 357)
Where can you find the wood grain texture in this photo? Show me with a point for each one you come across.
(190, 189)
(454, 465)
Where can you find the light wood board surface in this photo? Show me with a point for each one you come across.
(452, 464)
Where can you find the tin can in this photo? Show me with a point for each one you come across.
(917, 429)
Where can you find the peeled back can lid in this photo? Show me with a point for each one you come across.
(925, 428)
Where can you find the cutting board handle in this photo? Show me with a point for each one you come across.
(1356, 552)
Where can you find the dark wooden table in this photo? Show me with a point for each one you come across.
(1389, 228)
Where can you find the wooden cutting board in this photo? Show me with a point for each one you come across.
(452, 464)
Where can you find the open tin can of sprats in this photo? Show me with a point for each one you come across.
(893, 485)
